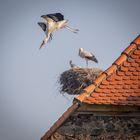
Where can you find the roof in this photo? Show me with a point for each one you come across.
(120, 83)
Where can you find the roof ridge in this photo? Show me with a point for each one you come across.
(117, 63)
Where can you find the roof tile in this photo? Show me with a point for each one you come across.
(128, 82)
(135, 64)
(106, 91)
(89, 88)
(99, 79)
(127, 73)
(137, 69)
(137, 41)
(124, 68)
(132, 77)
(134, 86)
(136, 73)
(129, 91)
(111, 70)
(117, 87)
(126, 64)
(130, 60)
(121, 59)
(113, 90)
(137, 52)
(120, 73)
(132, 69)
(137, 91)
(118, 78)
(126, 77)
(134, 56)
(109, 87)
(102, 87)
(126, 86)
(138, 61)
(129, 49)
(105, 82)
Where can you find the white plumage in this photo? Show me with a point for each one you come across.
(87, 56)
(55, 22)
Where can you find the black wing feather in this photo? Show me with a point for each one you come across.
(56, 17)
(42, 25)
(93, 58)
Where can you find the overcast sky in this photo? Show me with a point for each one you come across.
(30, 101)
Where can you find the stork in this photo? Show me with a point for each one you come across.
(87, 56)
(55, 22)
(72, 65)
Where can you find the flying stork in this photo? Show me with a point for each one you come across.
(54, 22)
(87, 56)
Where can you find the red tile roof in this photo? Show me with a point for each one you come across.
(120, 83)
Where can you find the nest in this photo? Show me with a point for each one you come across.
(73, 81)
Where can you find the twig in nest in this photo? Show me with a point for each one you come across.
(74, 80)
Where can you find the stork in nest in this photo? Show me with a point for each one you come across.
(53, 22)
(72, 65)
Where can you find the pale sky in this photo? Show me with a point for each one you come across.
(30, 101)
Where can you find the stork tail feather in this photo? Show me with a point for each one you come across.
(94, 59)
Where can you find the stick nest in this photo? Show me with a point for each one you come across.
(73, 81)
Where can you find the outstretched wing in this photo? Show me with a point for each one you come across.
(56, 17)
(42, 25)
